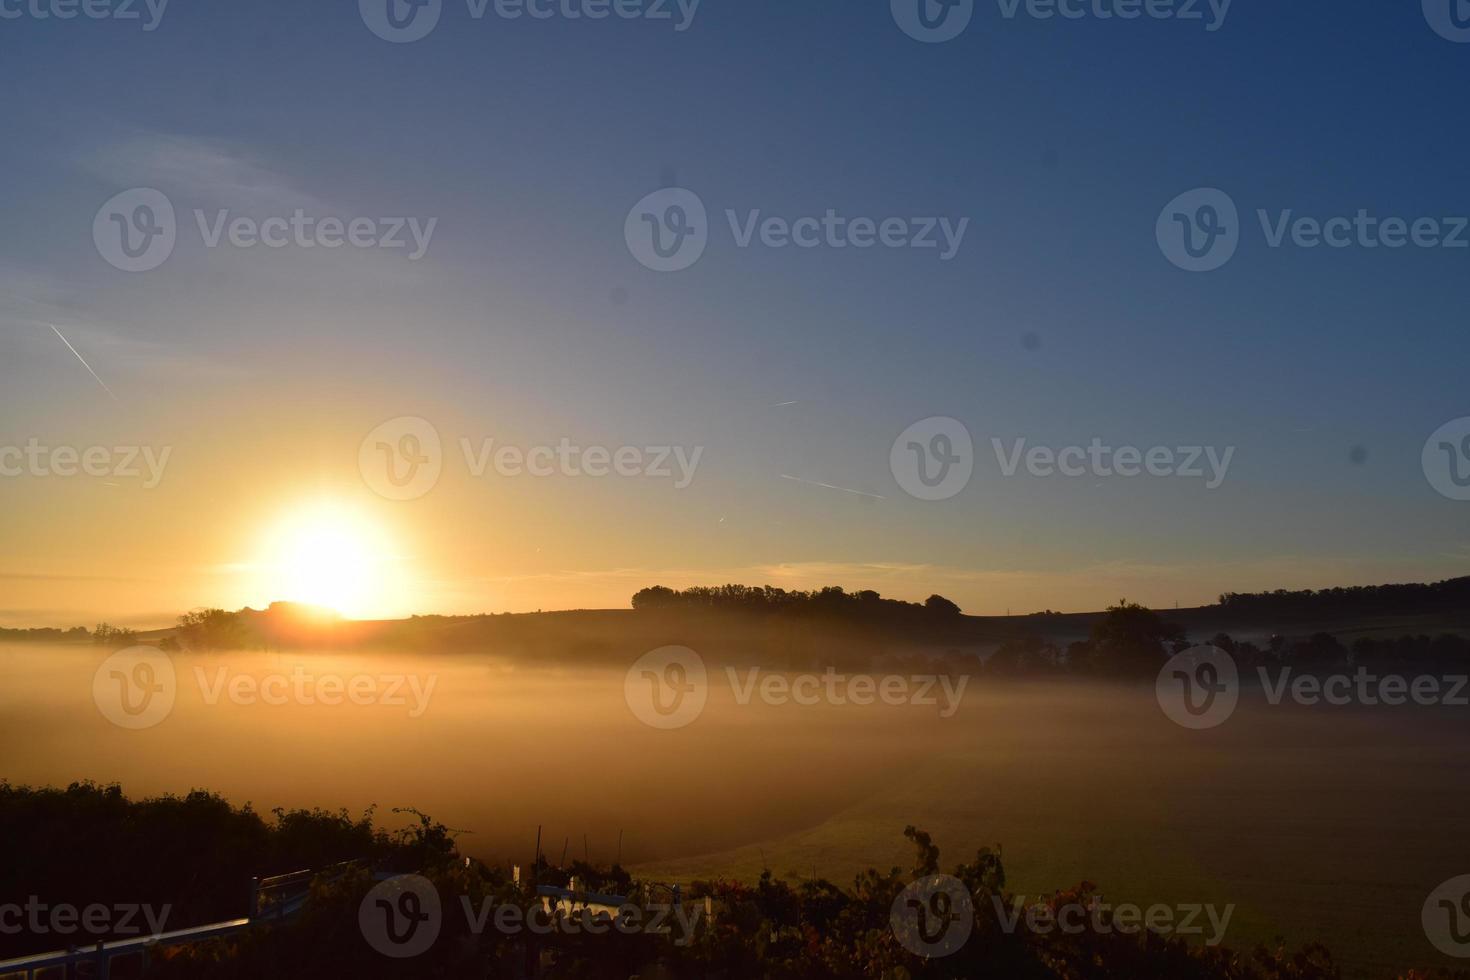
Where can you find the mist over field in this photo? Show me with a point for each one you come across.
(1316, 823)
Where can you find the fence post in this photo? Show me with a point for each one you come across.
(254, 898)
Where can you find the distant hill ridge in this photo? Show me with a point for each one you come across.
(937, 617)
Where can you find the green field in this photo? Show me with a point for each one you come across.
(1318, 825)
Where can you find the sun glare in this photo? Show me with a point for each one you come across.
(330, 555)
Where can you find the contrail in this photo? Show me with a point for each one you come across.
(829, 486)
(83, 360)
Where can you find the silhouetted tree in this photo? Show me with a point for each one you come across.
(1131, 640)
(210, 629)
(926, 857)
(114, 637)
(653, 597)
(941, 606)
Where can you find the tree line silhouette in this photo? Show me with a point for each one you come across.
(1450, 595)
(832, 600)
(837, 627)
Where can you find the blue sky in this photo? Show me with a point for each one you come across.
(528, 318)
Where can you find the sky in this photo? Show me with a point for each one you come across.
(776, 401)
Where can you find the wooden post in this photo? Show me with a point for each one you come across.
(538, 854)
(533, 949)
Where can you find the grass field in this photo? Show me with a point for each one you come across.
(1318, 825)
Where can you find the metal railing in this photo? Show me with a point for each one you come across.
(102, 955)
(271, 900)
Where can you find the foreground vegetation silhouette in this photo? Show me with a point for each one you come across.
(89, 843)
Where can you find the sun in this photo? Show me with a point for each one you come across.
(328, 554)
